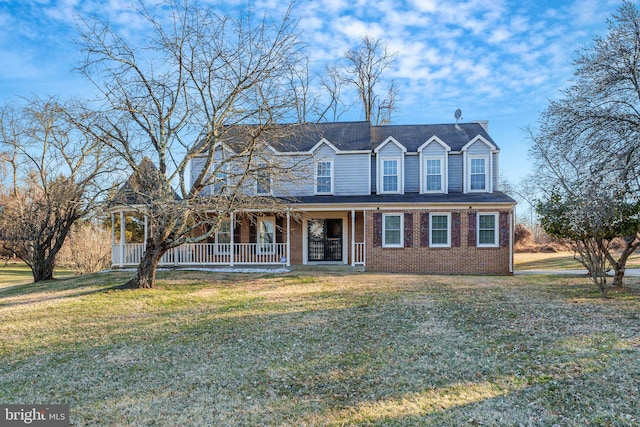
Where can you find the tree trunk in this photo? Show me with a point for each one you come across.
(145, 277)
(618, 276)
(42, 269)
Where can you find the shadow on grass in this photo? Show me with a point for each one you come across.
(60, 288)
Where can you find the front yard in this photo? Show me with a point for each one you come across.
(324, 349)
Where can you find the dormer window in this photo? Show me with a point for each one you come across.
(222, 180)
(434, 178)
(478, 174)
(324, 177)
(263, 182)
(390, 178)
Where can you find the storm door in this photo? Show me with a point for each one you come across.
(325, 239)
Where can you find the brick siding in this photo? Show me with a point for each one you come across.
(464, 259)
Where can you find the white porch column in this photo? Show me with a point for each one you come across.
(353, 238)
(364, 237)
(288, 239)
(123, 237)
(233, 218)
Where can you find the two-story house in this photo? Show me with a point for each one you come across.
(398, 198)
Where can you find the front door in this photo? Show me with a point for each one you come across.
(325, 239)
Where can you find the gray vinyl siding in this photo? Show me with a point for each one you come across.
(351, 174)
(300, 181)
(494, 157)
(478, 148)
(455, 173)
(411, 174)
(374, 174)
(433, 149)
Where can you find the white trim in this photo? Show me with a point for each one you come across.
(439, 245)
(232, 218)
(268, 193)
(392, 140)
(496, 232)
(400, 175)
(319, 144)
(216, 235)
(315, 177)
(394, 245)
(353, 238)
(512, 218)
(288, 239)
(223, 147)
(423, 175)
(123, 237)
(262, 220)
(434, 139)
(479, 138)
(487, 171)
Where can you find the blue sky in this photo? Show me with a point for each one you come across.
(496, 60)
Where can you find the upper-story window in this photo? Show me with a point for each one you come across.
(390, 177)
(324, 177)
(263, 182)
(477, 173)
(221, 180)
(434, 178)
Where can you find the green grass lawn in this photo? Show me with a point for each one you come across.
(17, 273)
(324, 349)
(557, 261)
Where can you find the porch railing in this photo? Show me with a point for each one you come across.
(205, 254)
(359, 254)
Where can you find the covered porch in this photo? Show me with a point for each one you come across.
(315, 238)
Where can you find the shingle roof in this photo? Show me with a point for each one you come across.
(143, 185)
(357, 136)
(409, 198)
(413, 136)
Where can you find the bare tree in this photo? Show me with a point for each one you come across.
(332, 83)
(587, 149)
(57, 186)
(201, 83)
(365, 67)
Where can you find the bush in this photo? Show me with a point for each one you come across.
(87, 249)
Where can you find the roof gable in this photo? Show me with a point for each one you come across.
(142, 186)
(434, 139)
(479, 138)
(391, 140)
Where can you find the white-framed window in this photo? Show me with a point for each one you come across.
(263, 181)
(433, 175)
(223, 237)
(478, 174)
(324, 177)
(390, 175)
(488, 229)
(392, 230)
(440, 230)
(266, 235)
(222, 179)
